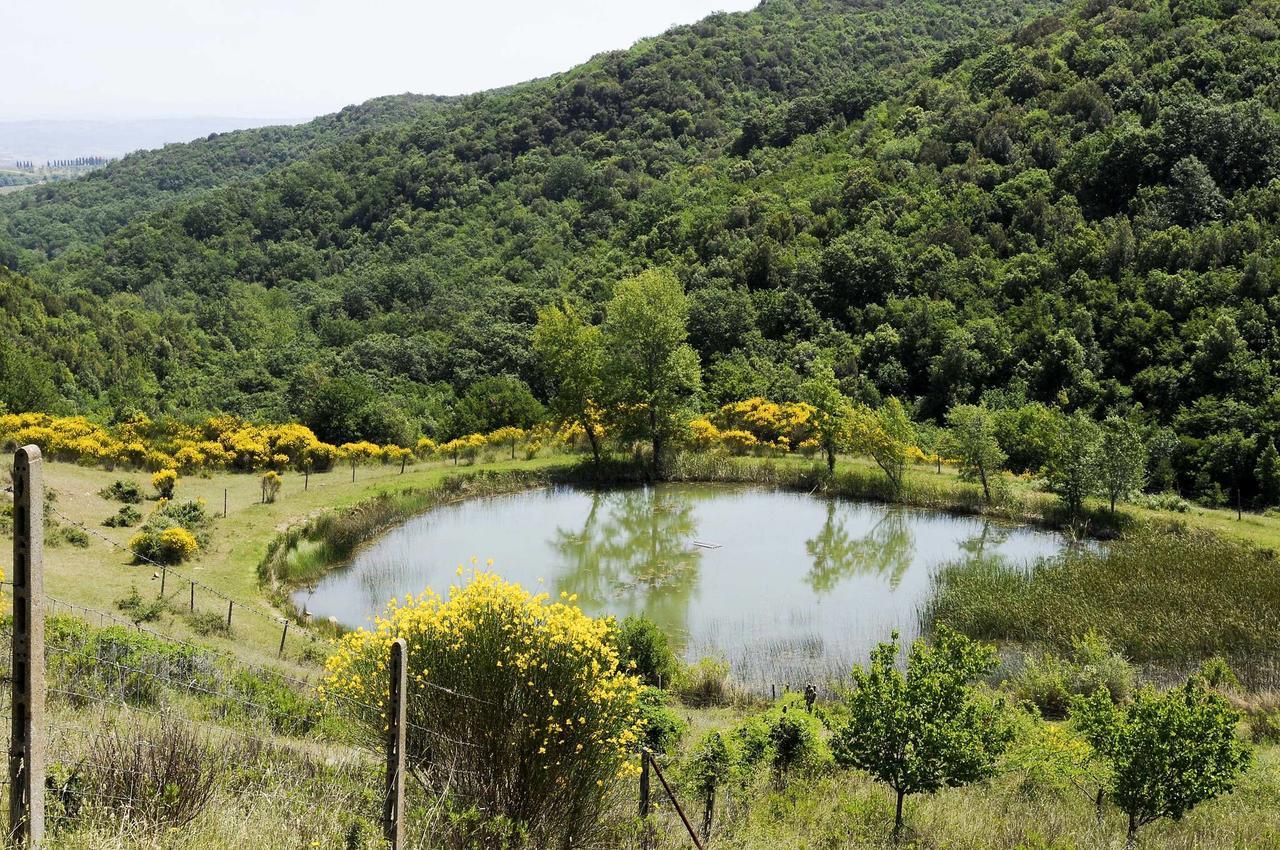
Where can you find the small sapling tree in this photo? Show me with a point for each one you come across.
(926, 728)
(971, 440)
(710, 767)
(832, 411)
(1073, 462)
(1122, 460)
(1168, 752)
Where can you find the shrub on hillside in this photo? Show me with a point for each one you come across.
(171, 545)
(153, 778)
(122, 491)
(127, 517)
(164, 482)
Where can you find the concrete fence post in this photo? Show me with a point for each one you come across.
(27, 736)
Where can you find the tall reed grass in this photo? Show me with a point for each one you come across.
(1162, 598)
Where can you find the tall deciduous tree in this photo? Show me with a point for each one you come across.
(927, 728)
(571, 354)
(651, 372)
(833, 412)
(1168, 752)
(972, 442)
(1122, 460)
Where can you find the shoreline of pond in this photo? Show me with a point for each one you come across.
(307, 551)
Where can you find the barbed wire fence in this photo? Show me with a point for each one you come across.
(94, 719)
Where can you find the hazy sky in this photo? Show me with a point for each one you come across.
(298, 58)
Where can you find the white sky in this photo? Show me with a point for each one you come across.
(297, 58)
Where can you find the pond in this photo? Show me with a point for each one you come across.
(789, 588)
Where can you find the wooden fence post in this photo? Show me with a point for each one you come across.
(671, 795)
(229, 606)
(393, 803)
(27, 736)
(646, 827)
(283, 635)
(193, 597)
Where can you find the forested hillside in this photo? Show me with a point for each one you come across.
(1077, 206)
(53, 219)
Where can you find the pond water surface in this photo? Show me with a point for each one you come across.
(789, 588)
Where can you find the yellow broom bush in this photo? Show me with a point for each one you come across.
(516, 702)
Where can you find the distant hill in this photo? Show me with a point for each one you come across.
(50, 219)
(40, 141)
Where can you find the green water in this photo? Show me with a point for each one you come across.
(789, 588)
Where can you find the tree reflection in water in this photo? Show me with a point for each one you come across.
(886, 550)
(635, 554)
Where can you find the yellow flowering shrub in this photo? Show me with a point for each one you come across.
(165, 481)
(222, 441)
(703, 435)
(271, 484)
(426, 448)
(508, 437)
(171, 545)
(466, 448)
(767, 421)
(514, 700)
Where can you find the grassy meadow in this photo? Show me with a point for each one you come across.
(1174, 588)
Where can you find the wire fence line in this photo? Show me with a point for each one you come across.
(168, 569)
(147, 727)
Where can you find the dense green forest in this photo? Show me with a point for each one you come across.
(58, 217)
(1004, 202)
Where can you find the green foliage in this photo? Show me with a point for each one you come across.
(661, 728)
(122, 491)
(925, 728)
(1049, 681)
(833, 412)
(1122, 460)
(571, 355)
(1074, 465)
(652, 374)
(971, 441)
(493, 403)
(705, 683)
(709, 768)
(142, 610)
(1267, 474)
(1156, 596)
(127, 517)
(1169, 752)
(1075, 209)
(645, 651)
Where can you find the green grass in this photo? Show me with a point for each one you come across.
(1169, 599)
